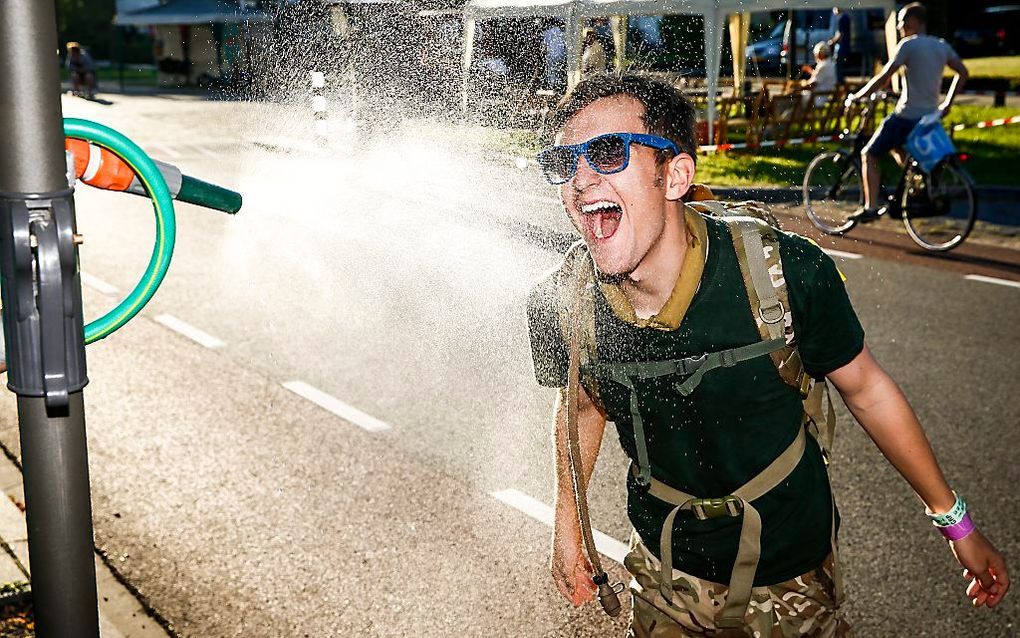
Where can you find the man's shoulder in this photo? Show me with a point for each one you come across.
(803, 259)
(549, 290)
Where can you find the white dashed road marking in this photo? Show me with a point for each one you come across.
(607, 545)
(97, 284)
(840, 253)
(191, 332)
(993, 280)
(336, 406)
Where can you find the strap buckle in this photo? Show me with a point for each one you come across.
(708, 508)
(805, 384)
(772, 314)
(690, 365)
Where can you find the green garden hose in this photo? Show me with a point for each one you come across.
(166, 226)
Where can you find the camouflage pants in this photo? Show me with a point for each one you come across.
(803, 606)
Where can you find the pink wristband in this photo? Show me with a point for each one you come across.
(958, 531)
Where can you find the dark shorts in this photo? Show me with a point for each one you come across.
(892, 133)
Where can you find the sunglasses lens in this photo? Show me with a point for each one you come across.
(608, 154)
(557, 163)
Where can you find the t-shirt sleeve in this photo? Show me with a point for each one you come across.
(548, 351)
(951, 53)
(829, 334)
(902, 55)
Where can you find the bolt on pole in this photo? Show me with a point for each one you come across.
(42, 322)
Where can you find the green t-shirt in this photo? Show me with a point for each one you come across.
(736, 422)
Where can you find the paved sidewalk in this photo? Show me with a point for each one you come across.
(120, 613)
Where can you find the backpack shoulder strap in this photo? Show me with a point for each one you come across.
(756, 244)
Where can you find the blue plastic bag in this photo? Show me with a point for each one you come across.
(929, 143)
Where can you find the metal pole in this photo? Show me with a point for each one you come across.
(43, 324)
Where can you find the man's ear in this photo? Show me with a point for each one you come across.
(679, 173)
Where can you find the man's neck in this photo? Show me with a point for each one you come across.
(649, 286)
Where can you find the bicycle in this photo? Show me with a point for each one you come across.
(938, 208)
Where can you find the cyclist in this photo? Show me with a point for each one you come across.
(923, 57)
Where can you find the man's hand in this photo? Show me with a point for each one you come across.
(571, 570)
(944, 109)
(983, 567)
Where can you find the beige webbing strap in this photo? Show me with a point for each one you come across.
(749, 549)
(771, 311)
(821, 415)
(607, 593)
(750, 237)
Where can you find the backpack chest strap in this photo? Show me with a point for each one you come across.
(695, 367)
(736, 504)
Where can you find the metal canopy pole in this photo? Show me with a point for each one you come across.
(43, 322)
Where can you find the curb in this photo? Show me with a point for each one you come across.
(120, 613)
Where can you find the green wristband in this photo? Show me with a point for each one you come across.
(952, 517)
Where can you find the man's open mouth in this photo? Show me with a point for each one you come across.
(602, 217)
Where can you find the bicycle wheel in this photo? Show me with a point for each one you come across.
(939, 208)
(833, 191)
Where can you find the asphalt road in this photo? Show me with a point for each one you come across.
(391, 277)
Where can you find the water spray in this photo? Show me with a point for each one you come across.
(43, 325)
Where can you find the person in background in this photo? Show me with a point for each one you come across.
(839, 44)
(554, 55)
(81, 69)
(593, 57)
(823, 76)
(924, 57)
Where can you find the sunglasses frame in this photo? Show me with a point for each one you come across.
(579, 150)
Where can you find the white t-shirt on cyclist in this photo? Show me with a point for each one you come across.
(923, 58)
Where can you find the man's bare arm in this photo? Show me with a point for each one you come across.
(880, 407)
(570, 568)
(591, 425)
(961, 77)
(883, 411)
(878, 82)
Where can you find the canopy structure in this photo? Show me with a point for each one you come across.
(185, 12)
(576, 13)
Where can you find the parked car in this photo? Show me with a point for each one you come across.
(991, 31)
(777, 51)
(771, 55)
(765, 54)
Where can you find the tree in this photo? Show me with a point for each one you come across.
(89, 22)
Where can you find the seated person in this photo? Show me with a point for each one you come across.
(823, 76)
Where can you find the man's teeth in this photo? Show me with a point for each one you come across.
(599, 206)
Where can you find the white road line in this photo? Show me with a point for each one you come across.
(336, 406)
(840, 253)
(191, 332)
(993, 280)
(97, 284)
(607, 545)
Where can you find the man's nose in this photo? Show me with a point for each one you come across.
(586, 176)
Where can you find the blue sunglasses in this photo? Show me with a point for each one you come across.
(606, 154)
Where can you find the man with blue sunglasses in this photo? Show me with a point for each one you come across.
(647, 323)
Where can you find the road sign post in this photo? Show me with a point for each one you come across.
(43, 325)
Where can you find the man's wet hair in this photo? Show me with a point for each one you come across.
(668, 113)
(917, 11)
